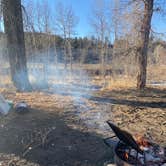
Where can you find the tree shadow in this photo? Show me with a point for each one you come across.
(45, 138)
(152, 97)
(129, 102)
(147, 92)
(119, 97)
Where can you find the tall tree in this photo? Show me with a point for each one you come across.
(66, 21)
(100, 24)
(116, 18)
(138, 16)
(43, 14)
(142, 48)
(13, 24)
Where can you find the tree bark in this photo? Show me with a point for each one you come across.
(70, 55)
(13, 24)
(143, 45)
(102, 59)
(65, 54)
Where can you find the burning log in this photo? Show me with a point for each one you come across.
(142, 142)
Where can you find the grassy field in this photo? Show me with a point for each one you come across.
(155, 74)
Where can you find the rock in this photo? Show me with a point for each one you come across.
(22, 107)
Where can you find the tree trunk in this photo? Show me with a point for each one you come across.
(13, 25)
(102, 60)
(65, 54)
(70, 55)
(144, 41)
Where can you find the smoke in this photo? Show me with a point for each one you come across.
(74, 83)
(47, 76)
(44, 74)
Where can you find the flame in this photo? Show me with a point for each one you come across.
(126, 156)
(141, 141)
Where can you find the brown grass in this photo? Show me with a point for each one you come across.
(5, 80)
(121, 82)
(116, 81)
(156, 72)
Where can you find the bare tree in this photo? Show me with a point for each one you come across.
(100, 23)
(44, 26)
(116, 18)
(138, 30)
(143, 43)
(13, 24)
(138, 15)
(29, 19)
(1, 16)
(66, 22)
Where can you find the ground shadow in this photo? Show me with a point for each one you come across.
(150, 97)
(147, 92)
(62, 145)
(119, 97)
(129, 102)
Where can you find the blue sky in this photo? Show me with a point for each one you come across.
(82, 9)
(159, 23)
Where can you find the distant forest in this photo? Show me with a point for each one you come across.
(84, 50)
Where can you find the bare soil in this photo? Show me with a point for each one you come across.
(60, 130)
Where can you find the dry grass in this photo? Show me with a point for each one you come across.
(155, 73)
(5, 80)
(121, 82)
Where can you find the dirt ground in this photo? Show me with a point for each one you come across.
(60, 130)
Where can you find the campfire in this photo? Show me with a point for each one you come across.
(135, 150)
